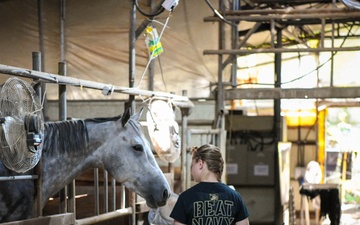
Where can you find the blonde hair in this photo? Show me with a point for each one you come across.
(211, 155)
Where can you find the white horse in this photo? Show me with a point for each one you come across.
(117, 145)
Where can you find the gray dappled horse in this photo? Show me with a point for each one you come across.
(117, 145)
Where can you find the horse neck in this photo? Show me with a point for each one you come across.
(68, 152)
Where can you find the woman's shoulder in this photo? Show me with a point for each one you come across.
(210, 186)
(198, 187)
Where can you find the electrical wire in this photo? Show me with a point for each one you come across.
(321, 65)
(147, 14)
(304, 75)
(218, 14)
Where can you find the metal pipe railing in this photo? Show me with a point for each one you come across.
(19, 177)
(54, 78)
(105, 217)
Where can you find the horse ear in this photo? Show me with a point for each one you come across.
(137, 116)
(126, 116)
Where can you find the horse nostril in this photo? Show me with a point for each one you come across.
(166, 194)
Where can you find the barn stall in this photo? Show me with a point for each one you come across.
(67, 202)
(186, 47)
(48, 28)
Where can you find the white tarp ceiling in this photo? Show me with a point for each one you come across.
(97, 45)
(96, 35)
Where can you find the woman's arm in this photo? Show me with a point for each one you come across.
(243, 222)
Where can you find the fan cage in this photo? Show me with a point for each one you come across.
(17, 101)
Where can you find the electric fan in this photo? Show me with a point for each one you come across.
(313, 174)
(22, 126)
(163, 130)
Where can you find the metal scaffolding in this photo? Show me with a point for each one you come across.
(277, 21)
(323, 20)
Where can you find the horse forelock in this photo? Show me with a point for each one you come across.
(65, 136)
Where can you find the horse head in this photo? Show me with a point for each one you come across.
(132, 162)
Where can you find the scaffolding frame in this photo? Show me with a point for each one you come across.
(266, 15)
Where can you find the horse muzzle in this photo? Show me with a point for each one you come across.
(155, 202)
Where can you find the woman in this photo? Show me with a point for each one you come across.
(209, 201)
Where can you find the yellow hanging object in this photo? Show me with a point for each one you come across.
(153, 43)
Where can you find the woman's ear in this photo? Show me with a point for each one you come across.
(201, 163)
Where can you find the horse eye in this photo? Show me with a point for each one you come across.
(138, 148)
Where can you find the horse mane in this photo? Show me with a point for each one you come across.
(66, 136)
(103, 119)
(70, 135)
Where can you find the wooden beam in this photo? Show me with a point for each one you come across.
(292, 93)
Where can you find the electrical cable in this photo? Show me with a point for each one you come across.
(321, 65)
(218, 14)
(147, 14)
(302, 76)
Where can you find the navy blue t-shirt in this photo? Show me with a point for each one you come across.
(209, 203)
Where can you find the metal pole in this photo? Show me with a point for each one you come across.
(132, 64)
(132, 54)
(277, 115)
(220, 85)
(253, 18)
(113, 191)
(36, 57)
(41, 33)
(332, 55)
(104, 218)
(62, 30)
(277, 50)
(62, 93)
(123, 197)
(71, 198)
(152, 63)
(106, 192)
(183, 162)
(322, 35)
(42, 49)
(96, 191)
(234, 40)
(272, 33)
(62, 117)
(19, 177)
(220, 99)
(290, 11)
(57, 79)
